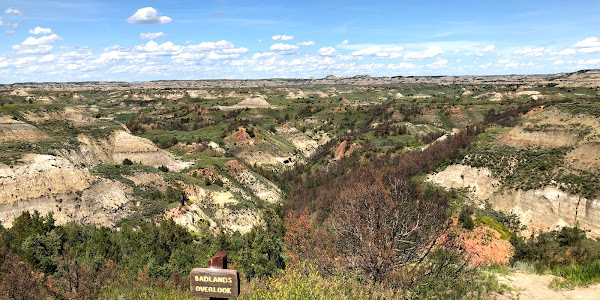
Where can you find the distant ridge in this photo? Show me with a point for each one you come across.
(582, 78)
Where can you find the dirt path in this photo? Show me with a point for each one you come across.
(533, 286)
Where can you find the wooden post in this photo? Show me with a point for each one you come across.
(218, 261)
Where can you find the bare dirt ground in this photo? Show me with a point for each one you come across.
(533, 286)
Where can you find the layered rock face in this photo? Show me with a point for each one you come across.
(517, 137)
(13, 130)
(121, 145)
(550, 208)
(479, 180)
(49, 183)
(41, 175)
(547, 208)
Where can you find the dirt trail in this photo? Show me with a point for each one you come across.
(533, 286)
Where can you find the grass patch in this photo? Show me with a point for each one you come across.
(499, 269)
(118, 172)
(523, 266)
(445, 119)
(576, 275)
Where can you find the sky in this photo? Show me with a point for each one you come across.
(67, 40)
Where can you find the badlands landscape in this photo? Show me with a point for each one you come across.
(501, 173)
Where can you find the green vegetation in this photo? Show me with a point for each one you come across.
(465, 218)
(503, 230)
(529, 168)
(577, 274)
(346, 228)
(566, 253)
(119, 172)
(139, 256)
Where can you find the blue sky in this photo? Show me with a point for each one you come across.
(66, 40)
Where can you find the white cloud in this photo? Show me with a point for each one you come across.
(595, 61)
(284, 48)
(393, 49)
(328, 51)
(376, 51)
(589, 45)
(188, 58)
(367, 51)
(40, 45)
(113, 55)
(262, 54)
(221, 50)
(240, 50)
(44, 40)
(296, 62)
(47, 58)
(219, 56)
(32, 69)
(23, 60)
(504, 61)
(308, 43)
(148, 15)
(531, 52)
(488, 48)
(40, 49)
(345, 42)
(438, 63)
(12, 11)
(207, 46)
(40, 30)
(152, 35)
(154, 48)
(282, 37)
(401, 66)
(558, 62)
(589, 50)
(589, 42)
(568, 51)
(430, 52)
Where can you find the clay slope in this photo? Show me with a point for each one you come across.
(121, 145)
(48, 183)
(13, 131)
(479, 180)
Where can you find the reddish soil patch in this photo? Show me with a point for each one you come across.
(240, 136)
(480, 246)
(343, 150)
(234, 167)
(209, 173)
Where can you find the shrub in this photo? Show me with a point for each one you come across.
(127, 162)
(465, 217)
(557, 249)
(503, 230)
(163, 168)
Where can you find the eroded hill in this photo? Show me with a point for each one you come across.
(216, 153)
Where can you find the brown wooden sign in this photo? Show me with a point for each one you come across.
(214, 283)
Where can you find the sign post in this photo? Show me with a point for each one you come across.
(215, 282)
